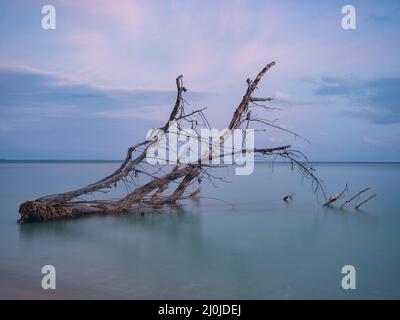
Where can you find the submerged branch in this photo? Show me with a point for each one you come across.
(353, 197)
(365, 201)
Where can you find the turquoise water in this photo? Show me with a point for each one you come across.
(252, 246)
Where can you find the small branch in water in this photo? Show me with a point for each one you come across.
(365, 201)
(289, 196)
(195, 193)
(353, 197)
(335, 198)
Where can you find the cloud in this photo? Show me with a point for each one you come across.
(387, 16)
(47, 115)
(30, 95)
(282, 98)
(372, 141)
(23, 88)
(377, 100)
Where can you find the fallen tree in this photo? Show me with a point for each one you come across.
(166, 185)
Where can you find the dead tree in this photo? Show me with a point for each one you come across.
(166, 185)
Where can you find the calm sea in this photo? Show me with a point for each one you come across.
(240, 241)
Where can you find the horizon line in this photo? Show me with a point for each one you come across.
(120, 160)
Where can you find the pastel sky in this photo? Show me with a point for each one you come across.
(106, 74)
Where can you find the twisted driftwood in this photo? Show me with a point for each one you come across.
(155, 193)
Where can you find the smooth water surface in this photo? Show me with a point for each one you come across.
(251, 245)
